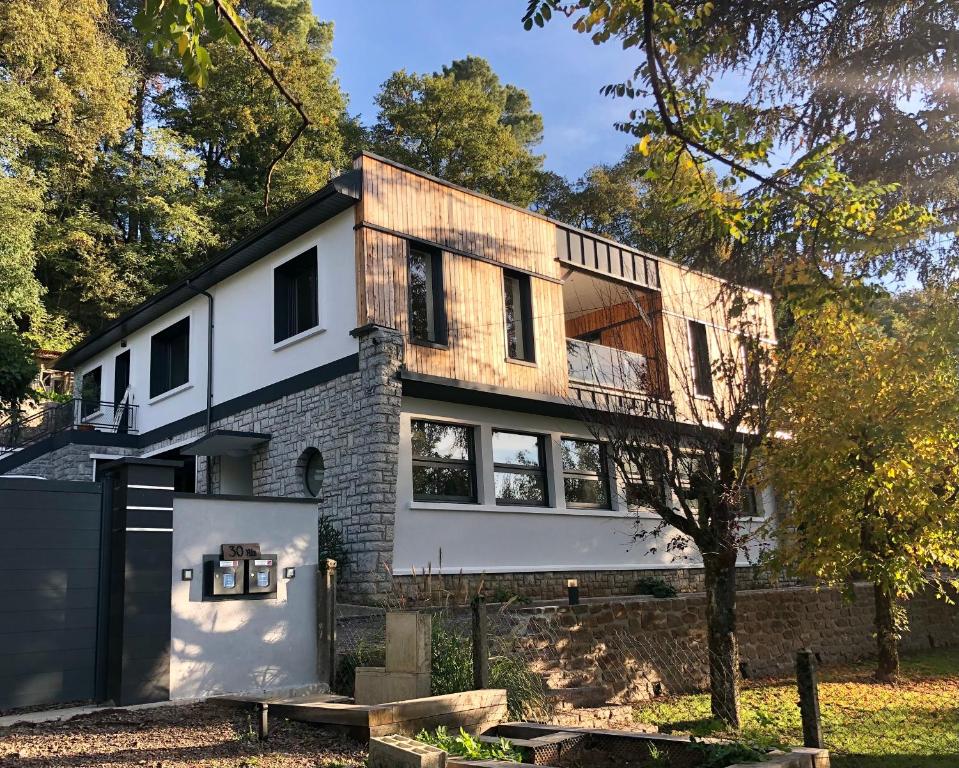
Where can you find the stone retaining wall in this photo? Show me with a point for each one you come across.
(631, 650)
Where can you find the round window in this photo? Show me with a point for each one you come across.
(313, 472)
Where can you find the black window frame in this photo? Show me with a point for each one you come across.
(164, 343)
(702, 362)
(602, 475)
(436, 298)
(522, 469)
(656, 477)
(90, 405)
(526, 316)
(469, 463)
(288, 279)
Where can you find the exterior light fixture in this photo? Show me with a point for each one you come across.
(289, 573)
(572, 587)
(186, 574)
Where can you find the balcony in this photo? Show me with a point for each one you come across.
(613, 379)
(20, 430)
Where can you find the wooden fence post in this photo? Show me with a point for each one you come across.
(480, 645)
(807, 680)
(326, 622)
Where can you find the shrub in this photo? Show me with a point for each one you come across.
(365, 654)
(723, 755)
(452, 671)
(655, 586)
(469, 747)
(331, 546)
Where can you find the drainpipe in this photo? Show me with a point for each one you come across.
(209, 375)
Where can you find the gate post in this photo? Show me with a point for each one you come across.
(326, 622)
(480, 645)
(808, 683)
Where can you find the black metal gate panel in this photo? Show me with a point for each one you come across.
(49, 591)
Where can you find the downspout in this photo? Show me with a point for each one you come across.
(209, 375)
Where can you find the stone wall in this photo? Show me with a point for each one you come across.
(551, 585)
(71, 462)
(618, 651)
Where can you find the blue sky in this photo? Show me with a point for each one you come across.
(560, 69)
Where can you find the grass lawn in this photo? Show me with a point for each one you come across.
(914, 724)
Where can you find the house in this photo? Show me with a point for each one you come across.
(417, 357)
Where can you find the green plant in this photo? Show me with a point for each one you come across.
(452, 671)
(468, 746)
(331, 546)
(722, 755)
(365, 654)
(504, 595)
(655, 586)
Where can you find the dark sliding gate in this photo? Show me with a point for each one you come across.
(51, 534)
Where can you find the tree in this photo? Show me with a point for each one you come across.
(687, 456)
(793, 110)
(869, 472)
(17, 371)
(463, 125)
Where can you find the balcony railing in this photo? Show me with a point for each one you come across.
(613, 379)
(19, 430)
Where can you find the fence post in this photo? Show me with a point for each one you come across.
(326, 622)
(480, 645)
(807, 680)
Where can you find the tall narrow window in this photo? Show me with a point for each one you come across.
(90, 392)
(691, 478)
(646, 482)
(426, 310)
(519, 463)
(170, 358)
(585, 478)
(295, 302)
(518, 309)
(444, 465)
(702, 367)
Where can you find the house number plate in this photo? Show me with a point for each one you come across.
(235, 551)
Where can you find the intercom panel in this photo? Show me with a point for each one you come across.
(222, 578)
(261, 575)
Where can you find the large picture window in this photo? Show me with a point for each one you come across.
(585, 478)
(444, 462)
(518, 310)
(295, 302)
(170, 358)
(646, 483)
(519, 462)
(702, 367)
(90, 386)
(427, 316)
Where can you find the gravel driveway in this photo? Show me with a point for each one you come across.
(187, 736)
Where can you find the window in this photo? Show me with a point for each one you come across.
(702, 367)
(170, 358)
(313, 471)
(585, 479)
(646, 482)
(519, 468)
(518, 309)
(90, 392)
(426, 310)
(751, 502)
(295, 307)
(444, 465)
(690, 478)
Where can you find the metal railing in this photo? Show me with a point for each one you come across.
(604, 366)
(19, 430)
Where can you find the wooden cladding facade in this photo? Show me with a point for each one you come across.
(478, 238)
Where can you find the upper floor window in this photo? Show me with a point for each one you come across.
(170, 358)
(702, 367)
(518, 309)
(519, 468)
(90, 392)
(585, 478)
(426, 310)
(444, 462)
(295, 303)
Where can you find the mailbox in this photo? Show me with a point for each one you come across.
(261, 575)
(222, 578)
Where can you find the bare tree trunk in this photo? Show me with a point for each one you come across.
(887, 647)
(721, 630)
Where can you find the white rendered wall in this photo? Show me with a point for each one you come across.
(486, 538)
(237, 646)
(244, 355)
